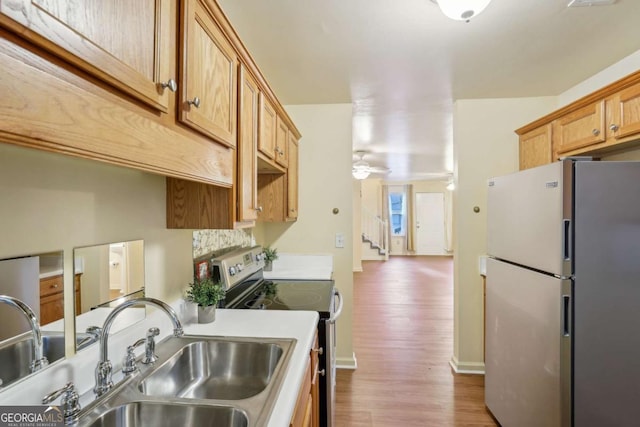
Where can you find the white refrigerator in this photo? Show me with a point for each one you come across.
(563, 295)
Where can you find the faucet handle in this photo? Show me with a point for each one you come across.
(95, 331)
(150, 348)
(129, 361)
(70, 402)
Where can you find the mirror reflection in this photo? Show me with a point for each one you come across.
(111, 274)
(30, 284)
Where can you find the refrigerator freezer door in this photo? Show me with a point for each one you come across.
(529, 215)
(607, 294)
(527, 355)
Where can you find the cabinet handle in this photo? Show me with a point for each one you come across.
(614, 127)
(259, 209)
(322, 372)
(195, 102)
(596, 132)
(318, 350)
(170, 84)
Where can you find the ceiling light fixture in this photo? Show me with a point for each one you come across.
(462, 10)
(361, 169)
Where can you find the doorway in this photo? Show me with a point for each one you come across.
(430, 224)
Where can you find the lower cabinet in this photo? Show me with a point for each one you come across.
(52, 298)
(306, 413)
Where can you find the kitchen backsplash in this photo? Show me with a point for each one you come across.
(207, 241)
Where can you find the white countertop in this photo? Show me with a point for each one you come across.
(300, 325)
(301, 267)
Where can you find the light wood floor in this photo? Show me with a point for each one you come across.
(403, 340)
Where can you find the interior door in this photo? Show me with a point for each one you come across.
(430, 224)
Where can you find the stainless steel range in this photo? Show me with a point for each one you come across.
(240, 272)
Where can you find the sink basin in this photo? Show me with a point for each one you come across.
(16, 355)
(171, 414)
(229, 370)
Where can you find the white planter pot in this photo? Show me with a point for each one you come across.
(206, 314)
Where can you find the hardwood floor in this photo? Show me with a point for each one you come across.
(403, 340)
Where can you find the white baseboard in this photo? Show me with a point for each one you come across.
(347, 362)
(474, 368)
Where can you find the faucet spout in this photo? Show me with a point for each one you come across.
(104, 367)
(39, 361)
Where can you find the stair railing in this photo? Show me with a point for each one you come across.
(375, 230)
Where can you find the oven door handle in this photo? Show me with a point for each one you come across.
(332, 319)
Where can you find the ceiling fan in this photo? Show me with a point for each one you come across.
(361, 169)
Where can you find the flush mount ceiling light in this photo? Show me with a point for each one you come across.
(462, 10)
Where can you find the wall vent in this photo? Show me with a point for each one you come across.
(584, 3)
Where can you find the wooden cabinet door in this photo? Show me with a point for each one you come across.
(282, 143)
(580, 129)
(536, 147)
(124, 43)
(247, 148)
(51, 299)
(267, 120)
(208, 89)
(626, 113)
(292, 179)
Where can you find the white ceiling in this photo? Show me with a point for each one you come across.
(402, 63)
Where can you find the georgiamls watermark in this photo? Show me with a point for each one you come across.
(31, 416)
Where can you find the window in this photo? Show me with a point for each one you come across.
(397, 212)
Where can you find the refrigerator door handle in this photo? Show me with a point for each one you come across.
(566, 315)
(566, 239)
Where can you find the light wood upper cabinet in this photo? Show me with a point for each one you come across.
(126, 44)
(580, 128)
(625, 114)
(208, 90)
(536, 147)
(602, 122)
(292, 179)
(247, 148)
(282, 143)
(268, 120)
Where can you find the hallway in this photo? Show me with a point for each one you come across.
(403, 340)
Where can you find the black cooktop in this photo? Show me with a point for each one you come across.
(287, 295)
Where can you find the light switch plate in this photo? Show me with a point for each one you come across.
(339, 240)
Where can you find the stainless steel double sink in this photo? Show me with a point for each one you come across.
(16, 354)
(198, 381)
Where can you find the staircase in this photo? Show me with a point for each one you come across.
(375, 231)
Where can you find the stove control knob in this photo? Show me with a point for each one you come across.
(239, 267)
(232, 271)
(258, 257)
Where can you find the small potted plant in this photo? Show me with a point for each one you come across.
(206, 293)
(270, 255)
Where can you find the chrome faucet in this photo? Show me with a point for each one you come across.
(104, 368)
(39, 361)
(129, 361)
(70, 402)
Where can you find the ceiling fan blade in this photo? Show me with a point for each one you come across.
(375, 169)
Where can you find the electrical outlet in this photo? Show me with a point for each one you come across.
(339, 240)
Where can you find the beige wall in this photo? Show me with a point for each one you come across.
(485, 145)
(51, 202)
(324, 184)
(357, 221)
(483, 129)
